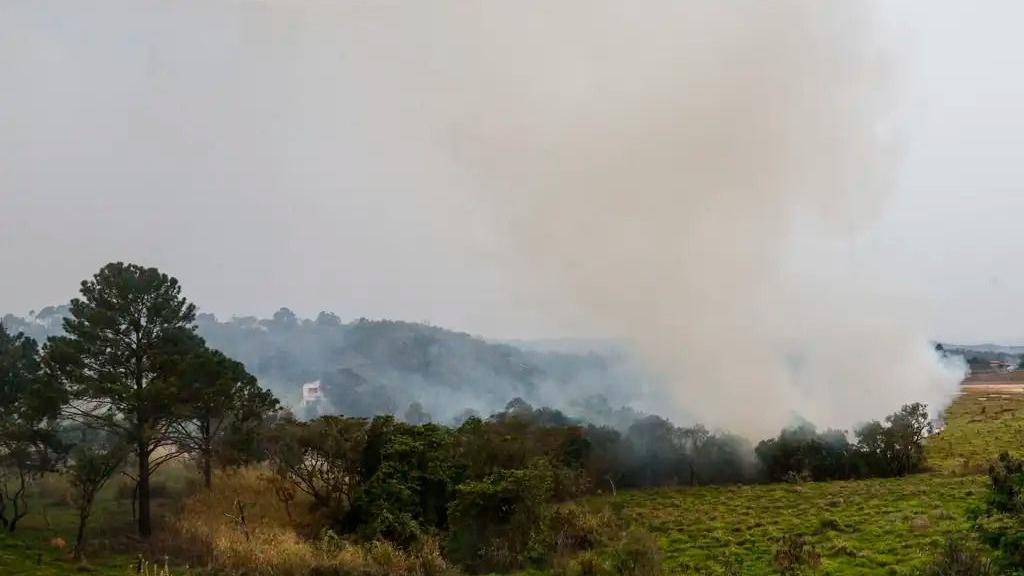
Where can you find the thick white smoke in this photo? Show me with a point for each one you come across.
(695, 176)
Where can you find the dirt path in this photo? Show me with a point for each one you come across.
(1006, 387)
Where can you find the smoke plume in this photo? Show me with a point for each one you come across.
(698, 178)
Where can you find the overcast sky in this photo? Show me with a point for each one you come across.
(276, 154)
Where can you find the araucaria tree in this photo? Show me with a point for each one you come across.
(126, 341)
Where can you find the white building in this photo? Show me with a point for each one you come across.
(311, 393)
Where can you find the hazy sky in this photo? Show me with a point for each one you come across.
(289, 154)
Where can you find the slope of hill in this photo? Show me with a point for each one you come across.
(862, 527)
(987, 348)
(369, 367)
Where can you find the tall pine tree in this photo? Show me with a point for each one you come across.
(127, 338)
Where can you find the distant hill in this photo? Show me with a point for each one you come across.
(987, 348)
(984, 359)
(368, 367)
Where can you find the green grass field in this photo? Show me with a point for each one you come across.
(34, 549)
(979, 425)
(859, 527)
(888, 526)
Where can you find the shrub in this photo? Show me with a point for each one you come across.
(637, 555)
(829, 524)
(269, 546)
(795, 556)
(409, 478)
(575, 529)
(958, 559)
(502, 522)
(892, 448)
(1001, 524)
(1006, 475)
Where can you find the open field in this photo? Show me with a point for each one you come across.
(35, 550)
(1011, 377)
(981, 423)
(859, 527)
(885, 526)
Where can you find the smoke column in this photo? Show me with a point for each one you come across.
(697, 178)
(700, 178)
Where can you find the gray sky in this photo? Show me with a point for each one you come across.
(291, 154)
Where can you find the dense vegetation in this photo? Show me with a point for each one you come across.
(129, 387)
(892, 448)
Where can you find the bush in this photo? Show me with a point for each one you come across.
(409, 475)
(576, 529)
(795, 556)
(207, 533)
(502, 522)
(1001, 524)
(892, 448)
(1006, 475)
(958, 559)
(637, 555)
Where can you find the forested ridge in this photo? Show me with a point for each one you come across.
(370, 367)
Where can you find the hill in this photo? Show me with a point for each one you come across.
(369, 367)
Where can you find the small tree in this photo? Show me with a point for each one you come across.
(895, 448)
(907, 431)
(29, 404)
(322, 458)
(502, 522)
(88, 471)
(409, 477)
(219, 395)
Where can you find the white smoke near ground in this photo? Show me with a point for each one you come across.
(696, 177)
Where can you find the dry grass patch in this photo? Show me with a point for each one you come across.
(243, 527)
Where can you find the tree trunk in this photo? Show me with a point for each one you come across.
(145, 524)
(3, 507)
(135, 501)
(20, 505)
(207, 471)
(83, 517)
(207, 455)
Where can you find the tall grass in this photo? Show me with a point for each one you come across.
(276, 539)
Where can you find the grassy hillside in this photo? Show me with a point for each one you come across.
(979, 425)
(886, 526)
(859, 527)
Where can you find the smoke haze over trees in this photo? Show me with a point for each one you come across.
(369, 367)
